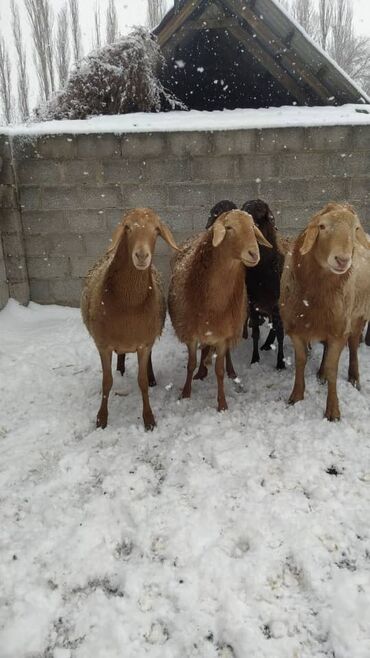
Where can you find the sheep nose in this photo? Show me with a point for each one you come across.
(141, 256)
(253, 255)
(342, 261)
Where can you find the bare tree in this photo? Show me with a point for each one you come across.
(5, 84)
(41, 19)
(304, 12)
(62, 51)
(111, 22)
(155, 11)
(325, 21)
(23, 84)
(76, 30)
(97, 29)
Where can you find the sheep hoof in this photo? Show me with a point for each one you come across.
(152, 382)
(255, 359)
(321, 377)
(202, 373)
(101, 420)
(281, 365)
(295, 398)
(266, 347)
(355, 382)
(332, 417)
(149, 423)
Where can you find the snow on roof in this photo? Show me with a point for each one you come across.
(177, 121)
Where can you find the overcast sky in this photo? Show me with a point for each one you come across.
(130, 12)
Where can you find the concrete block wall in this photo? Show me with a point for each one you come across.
(13, 266)
(73, 189)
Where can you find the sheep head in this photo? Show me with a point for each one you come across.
(332, 235)
(239, 236)
(139, 230)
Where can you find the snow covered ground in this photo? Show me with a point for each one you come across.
(271, 117)
(236, 535)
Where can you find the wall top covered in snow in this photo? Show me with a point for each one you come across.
(243, 119)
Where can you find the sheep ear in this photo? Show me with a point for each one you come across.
(261, 238)
(219, 232)
(362, 238)
(167, 236)
(116, 238)
(310, 237)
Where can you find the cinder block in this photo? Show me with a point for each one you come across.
(191, 194)
(10, 220)
(349, 164)
(66, 291)
(24, 147)
(39, 172)
(5, 147)
(99, 197)
(56, 147)
(8, 198)
(324, 190)
(177, 218)
(4, 294)
(143, 145)
(97, 147)
(257, 167)
(163, 265)
(297, 165)
(167, 170)
(96, 244)
(16, 269)
(85, 221)
(329, 138)
(122, 171)
(66, 244)
(37, 245)
(214, 168)
(112, 217)
(47, 267)
(81, 172)
(144, 196)
(360, 189)
(6, 173)
(236, 192)
(30, 197)
(361, 138)
(81, 266)
(39, 222)
(59, 198)
(235, 142)
(13, 244)
(20, 292)
(192, 144)
(40, 291)
(271, 140)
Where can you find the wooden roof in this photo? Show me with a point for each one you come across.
(246, 53)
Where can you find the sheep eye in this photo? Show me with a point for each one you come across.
(229, 228)
(322, 227)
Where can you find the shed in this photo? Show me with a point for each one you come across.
(244, 54)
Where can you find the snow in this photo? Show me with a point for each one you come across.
(227, 535)
(272, 117)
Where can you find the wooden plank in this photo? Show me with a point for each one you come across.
(177, 21)
(269, 63)
(270, 39)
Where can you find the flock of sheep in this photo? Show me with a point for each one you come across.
(315, 288)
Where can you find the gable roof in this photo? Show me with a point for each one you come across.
(247, 53)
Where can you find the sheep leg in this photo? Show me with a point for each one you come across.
(220, 372)
(269, 340)
(192, 363)
(279, 330)
(229, 366)
(143, 355)
(255, 335)
(335, 347)
(353, 343)
(245, 329)
(367, 335)
(300, 352)
(151, 377)
(121, 360)
(321, 373)
(203, 370)
(106, 362)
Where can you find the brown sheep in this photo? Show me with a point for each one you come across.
(318, 295)
(207, 297)
(122, 303)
